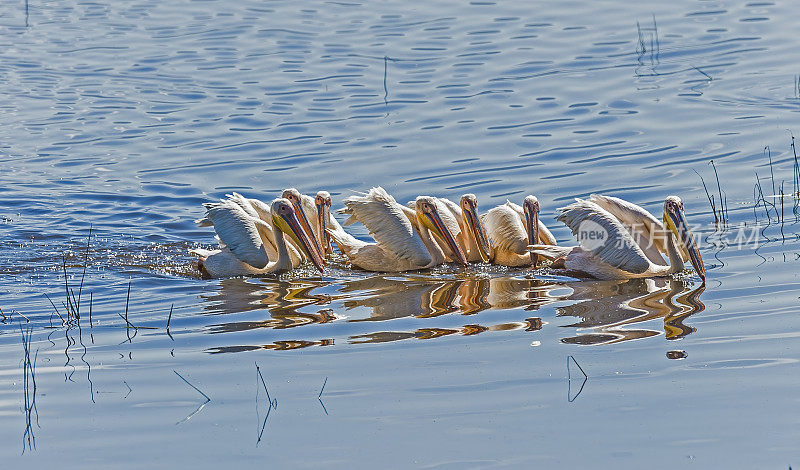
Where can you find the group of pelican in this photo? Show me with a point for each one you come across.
(627, 241)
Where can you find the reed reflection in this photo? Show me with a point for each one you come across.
(611, 309)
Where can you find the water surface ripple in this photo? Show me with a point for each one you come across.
(126, 116)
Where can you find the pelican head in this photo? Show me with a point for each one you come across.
(323, 203)
(428, 215)
(675, 221)
(284, 218)
(293, 195)
(531, 209)
(469, 211)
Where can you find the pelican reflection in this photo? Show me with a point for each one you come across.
(367, 310)
(611, 308)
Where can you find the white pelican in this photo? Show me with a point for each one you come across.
(448, 215)
(609, 250)
(512, 228)
(463, 223)
(245, 239)
(399, 245)
(261, 210)
(303, 205)
(471, 236)
(478, 247)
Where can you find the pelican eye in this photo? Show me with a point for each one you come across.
(672, 206)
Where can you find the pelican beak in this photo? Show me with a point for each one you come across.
(292, 226)
(532, 227)
(442, 231)
(298, 208)
(471, 219)
(676, 222)
(323, 213)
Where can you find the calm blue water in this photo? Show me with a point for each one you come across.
(126, 116)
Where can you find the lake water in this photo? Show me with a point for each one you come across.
(126, 116)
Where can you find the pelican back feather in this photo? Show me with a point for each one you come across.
(505, 228)
(618, 248)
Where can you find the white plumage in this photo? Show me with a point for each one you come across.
(397, 247)
(245, 239)
(646, 230)
(450, 215)
(616, 254)
(261, 210)
(506, 228)
(619, 248)
(239, 232)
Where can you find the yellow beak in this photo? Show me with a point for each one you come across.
(471, 219)
(677, 223)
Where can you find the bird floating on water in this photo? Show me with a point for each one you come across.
(245, 239)
(609, 249)
(400, 245)
(303, 204)
(466, 226)
(430, 231)
(512, 228)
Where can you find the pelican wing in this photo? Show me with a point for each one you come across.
(262, 209)
(646, 229)
(243, 202)
(258, 210)
(387, 224)
(626, 212)
(237, 198)
(238, 232)
(618, 248)
(205, 221)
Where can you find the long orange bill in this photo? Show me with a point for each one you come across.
(444, 232)
(323, 212)
(688, 242)
(475, 225)
(532, 227)
(305, 241)
(298, 207)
